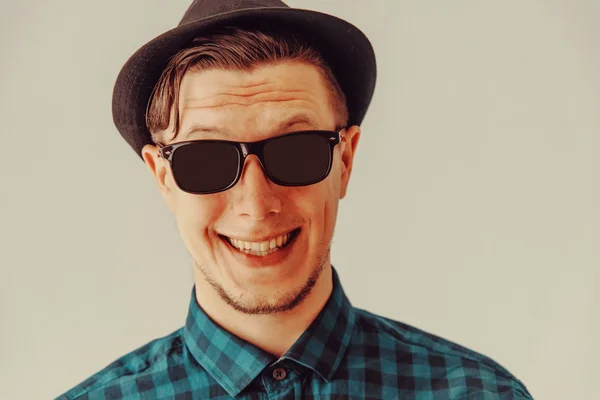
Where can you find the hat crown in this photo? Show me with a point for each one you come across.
(201, 9)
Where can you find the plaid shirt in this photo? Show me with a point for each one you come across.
(346, 353)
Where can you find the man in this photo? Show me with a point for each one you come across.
(247, 115)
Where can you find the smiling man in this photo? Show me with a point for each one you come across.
(258, 247)
(247, 115)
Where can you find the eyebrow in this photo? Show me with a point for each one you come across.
(282, 127)
(297, 119)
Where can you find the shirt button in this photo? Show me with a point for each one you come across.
(279, 374)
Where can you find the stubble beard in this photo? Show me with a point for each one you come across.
(262, 305)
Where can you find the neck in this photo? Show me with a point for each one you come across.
(273, 333)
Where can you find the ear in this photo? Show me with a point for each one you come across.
(349, 144)
(158, 167)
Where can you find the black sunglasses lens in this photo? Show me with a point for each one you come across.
(300, 159)
(205, 167)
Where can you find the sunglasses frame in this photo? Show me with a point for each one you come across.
(245, 149)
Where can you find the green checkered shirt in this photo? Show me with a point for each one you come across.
(346, 353)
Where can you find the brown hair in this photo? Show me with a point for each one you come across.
(237, 50)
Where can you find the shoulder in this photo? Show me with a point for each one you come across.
(154, 354)
(430, 359)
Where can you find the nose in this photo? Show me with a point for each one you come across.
(255, 195)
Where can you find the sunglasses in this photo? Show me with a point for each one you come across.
(292, 159)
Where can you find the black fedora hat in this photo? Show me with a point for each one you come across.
(343, 46)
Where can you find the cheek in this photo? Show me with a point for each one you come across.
(195, 215)
(319, 203)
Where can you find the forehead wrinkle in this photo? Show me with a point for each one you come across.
(223, 99)
(230, 104)
(274, 92)
(252, 82)
(250, 87)
(279, 125)
(221, 102)
(231, 91)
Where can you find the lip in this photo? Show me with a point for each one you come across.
(270, 260)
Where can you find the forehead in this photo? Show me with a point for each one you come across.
(253, 104)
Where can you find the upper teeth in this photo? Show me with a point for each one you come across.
(260, 247)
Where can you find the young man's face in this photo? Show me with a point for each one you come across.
(251, 106)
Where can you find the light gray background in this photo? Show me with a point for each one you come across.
(473, 211)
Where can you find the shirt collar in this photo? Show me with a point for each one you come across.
(323, 345)
(235, 363)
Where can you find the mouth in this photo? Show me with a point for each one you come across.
(263, 248)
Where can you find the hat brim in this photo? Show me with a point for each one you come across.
(344, 47)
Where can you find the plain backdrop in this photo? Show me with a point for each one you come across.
(473, 211)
